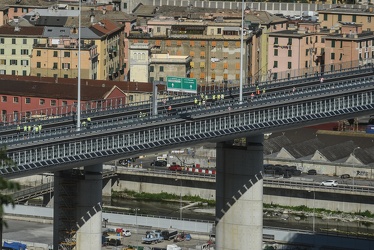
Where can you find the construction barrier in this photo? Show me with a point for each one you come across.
(201, 170)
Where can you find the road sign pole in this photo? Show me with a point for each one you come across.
(154, 98)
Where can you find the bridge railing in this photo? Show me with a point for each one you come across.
(290, 94)
(113, 105)
(316, 106)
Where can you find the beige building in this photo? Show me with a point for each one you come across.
(332, 17)
(16, 48)
(212, 41)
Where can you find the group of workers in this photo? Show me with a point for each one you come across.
(204, 98)
(28, 129)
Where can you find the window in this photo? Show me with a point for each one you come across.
(66, 54)
(333, 44)
(4, 98)
(2, 40)
(64, 103)
(289, 41)
(55, 65)
(13, 62)
(15, 99)
(306, 64)
(339, 17)
(341, 56)
(27, 100)
(341, 44)
(275, 52)
(275, 76)
(354, 18)
(2, 51)
(38, 65)
(325, 17)
(24, 51)
(152, 69)
(2, 62)
(202, 44)
(202, 54)
(161, 68)
(13, 41)
(66, 76)
(38, 53)
(35, 41)
(65, 65)
(24, 72)
(53, 102)
(289, 65)
(275, 64)
(55, 53)
(332, 56)
(219, 31)
(275, 40)
(24, 62)
(24, 41)
(41, 101)
(13, 51)
(14, 72)
(289, 53)
(306, 52)
(161, 79)
(316, 40)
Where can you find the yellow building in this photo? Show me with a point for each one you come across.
(58, 56)
(16, 47)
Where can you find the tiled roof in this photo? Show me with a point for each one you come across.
(23, 31)
(106, 26)
(39, 3)
(118, 16)
(366, 156)
(51, 90)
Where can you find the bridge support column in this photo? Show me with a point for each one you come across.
(239, 189)
(77, 208)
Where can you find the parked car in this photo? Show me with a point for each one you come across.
(312, 172)
(329, 183)
(345, 176)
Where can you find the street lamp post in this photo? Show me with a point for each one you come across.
(136, 224)
(353, 168)
(314, 210)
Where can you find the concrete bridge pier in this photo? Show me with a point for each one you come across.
(77, 208)
(239, 190)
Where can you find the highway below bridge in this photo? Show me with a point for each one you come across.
(119, 133)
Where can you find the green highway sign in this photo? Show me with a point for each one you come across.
(181, 84)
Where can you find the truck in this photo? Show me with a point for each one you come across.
(169, 235)
(152, 237)
(14, 246)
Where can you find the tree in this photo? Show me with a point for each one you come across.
(5, 185)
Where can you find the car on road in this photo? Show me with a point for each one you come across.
(345, 176)
(312, 172)
(126, 233)
(159, 163)
(329, 183)
(175, 167)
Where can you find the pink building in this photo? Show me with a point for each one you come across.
(296, 51)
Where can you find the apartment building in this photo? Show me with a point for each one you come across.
(16, 48)
(212, 43)
(332, 17)
(57, 56)
(296, 51)
(349, 46)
